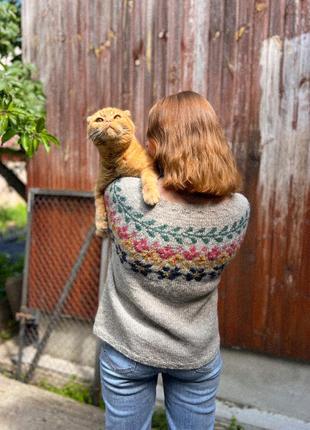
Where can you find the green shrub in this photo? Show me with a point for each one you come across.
(13, 216)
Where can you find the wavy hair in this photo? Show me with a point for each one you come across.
(190, 148)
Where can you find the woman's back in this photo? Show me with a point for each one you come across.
(159, 305)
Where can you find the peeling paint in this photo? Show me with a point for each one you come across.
(149, 36)
(149, 50)
(260, 7)
(201, 47)
(284, 123)
(239, 33)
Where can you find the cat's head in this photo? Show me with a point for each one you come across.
(110, 125)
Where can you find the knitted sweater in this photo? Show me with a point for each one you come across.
(159, 303)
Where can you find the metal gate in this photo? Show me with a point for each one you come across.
(60, 288)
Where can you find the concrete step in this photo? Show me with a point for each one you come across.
(28, 407)
(24, 406)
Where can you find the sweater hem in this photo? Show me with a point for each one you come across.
(151, 360)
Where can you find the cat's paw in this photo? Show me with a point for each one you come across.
(101, 233)
(151, 196)
(101, 226)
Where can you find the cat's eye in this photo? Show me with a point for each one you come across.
(99, 119)
(117, 116)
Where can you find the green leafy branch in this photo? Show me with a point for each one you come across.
(22, 100)
(22, 109)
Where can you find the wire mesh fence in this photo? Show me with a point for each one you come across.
(60, 289)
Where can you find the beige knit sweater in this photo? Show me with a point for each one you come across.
(159, 302)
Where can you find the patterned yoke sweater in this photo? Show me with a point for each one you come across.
(159, 303)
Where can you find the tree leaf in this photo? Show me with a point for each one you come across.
(13, 121)
(8, 134)
(51, 138)
(17, 111)
(40, 124)
(24, 142)
(45, 142)
(7, 101)
(30, 147)
(3, 124)
(35, 143)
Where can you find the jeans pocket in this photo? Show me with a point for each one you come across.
(116, 360)
(215, 365)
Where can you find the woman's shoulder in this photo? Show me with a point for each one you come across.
(129, 186)
(129, 189)
(126, 191)
(239, 201)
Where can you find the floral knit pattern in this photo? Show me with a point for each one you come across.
(164, 251)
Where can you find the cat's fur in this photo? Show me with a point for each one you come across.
(113, 133)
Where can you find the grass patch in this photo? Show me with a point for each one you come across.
(234, 425)
(72, 389)
(13, 217)
(159, 421)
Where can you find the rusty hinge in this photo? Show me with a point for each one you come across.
(30, 318)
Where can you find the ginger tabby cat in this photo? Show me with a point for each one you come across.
(113, 133)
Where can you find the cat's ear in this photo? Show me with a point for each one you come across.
(127, 112)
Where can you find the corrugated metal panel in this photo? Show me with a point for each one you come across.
(251, 59)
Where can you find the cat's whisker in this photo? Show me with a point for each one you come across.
(97, 136)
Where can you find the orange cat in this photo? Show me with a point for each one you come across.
(113, 132)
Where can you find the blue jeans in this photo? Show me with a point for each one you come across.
(129, 390)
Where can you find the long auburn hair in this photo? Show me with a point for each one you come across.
(191, 151)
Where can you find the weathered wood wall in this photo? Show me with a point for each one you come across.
(251, 59)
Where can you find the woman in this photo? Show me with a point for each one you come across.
(158, 310)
